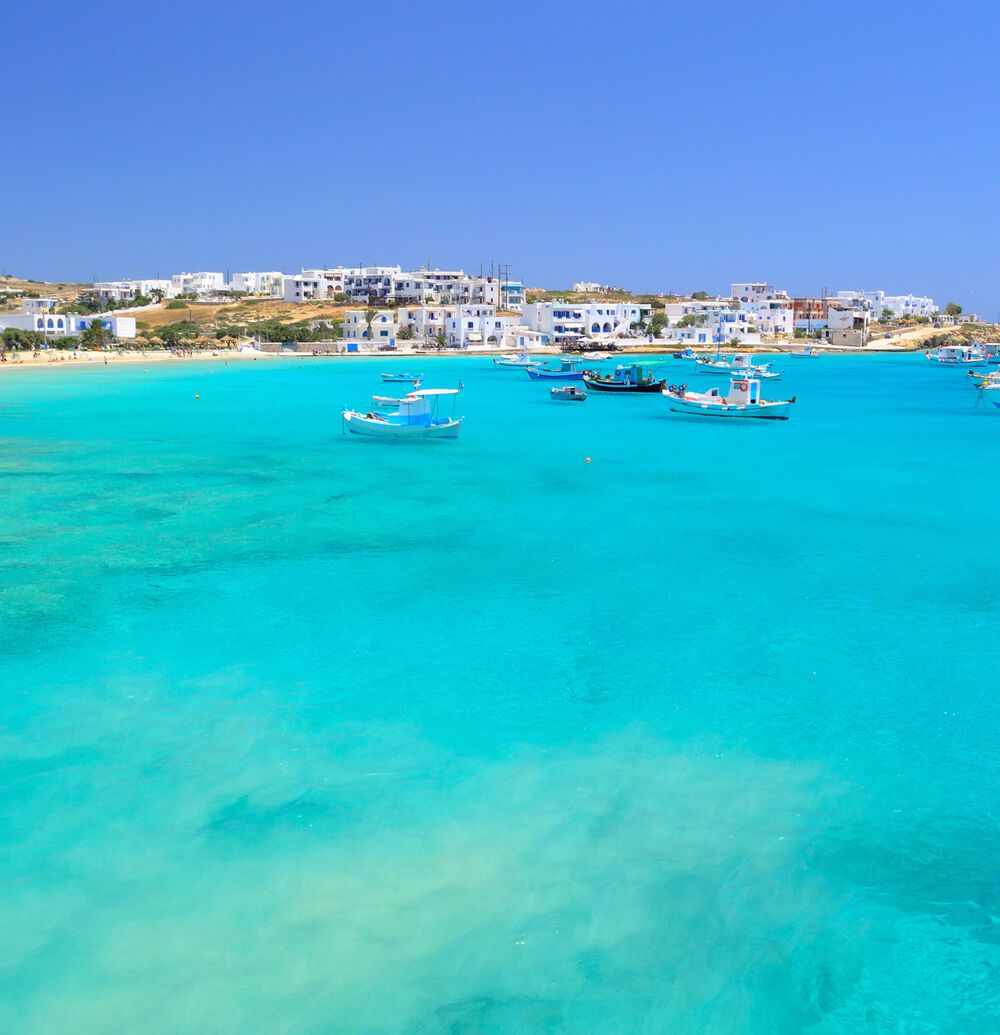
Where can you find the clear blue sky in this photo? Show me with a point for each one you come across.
(660, 146)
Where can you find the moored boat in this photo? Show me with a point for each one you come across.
(416, 418)
(404, 378)
(626, 379)
(958, 355)
(565, 371)
(742, 401)
(568, 393)
(522, 359)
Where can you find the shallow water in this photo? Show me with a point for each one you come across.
(310, 734)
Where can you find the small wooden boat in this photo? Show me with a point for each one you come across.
(406, 378)
(958, 355)
(416, 418)
(566, 371)
(569, 393)
(523, 359)
(625, 380)
(742, 401)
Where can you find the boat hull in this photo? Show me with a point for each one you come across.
(623, 388)
(562, 396)
(739, 411)
(359, 424)
(555, 375)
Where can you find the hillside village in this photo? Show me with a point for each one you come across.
(385, 308)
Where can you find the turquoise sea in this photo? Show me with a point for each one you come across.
(308, 734)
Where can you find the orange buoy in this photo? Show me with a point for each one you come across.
(588, 459)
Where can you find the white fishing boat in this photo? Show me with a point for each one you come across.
(716, 364)
(404, 378)
(958, 355)
(990, 377)
(744, 368)
(418, 417)
(596, 357)
(806, 352)
(522, 359)
(742, 401)
(566, 370)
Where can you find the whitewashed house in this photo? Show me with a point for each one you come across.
(269, 284)
(478, 327)
(584, 319)
(425, 321)
(756, 291)
(197, 283)
(355, 329)
(56, 325)
(721, 326)
(126, 290)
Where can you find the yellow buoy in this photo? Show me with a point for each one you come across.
(197, 396)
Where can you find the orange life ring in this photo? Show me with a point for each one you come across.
(743, 386)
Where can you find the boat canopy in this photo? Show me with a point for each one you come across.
(437, 391)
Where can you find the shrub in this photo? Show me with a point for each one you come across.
(176, 304)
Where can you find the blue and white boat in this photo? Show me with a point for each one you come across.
(416, 418)
(742, 401)
(744, 367)
(958, 355)
(405, 378)
(565, 371)
(522, 359)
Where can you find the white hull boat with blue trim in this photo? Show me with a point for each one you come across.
(743, 401)
(519, 361)
(416, 418)
(958, 355)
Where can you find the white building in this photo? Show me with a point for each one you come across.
(355, 329)
(772, 316)
(907, 305)
(464, 326)
(848, 317)
(54, 325)
(425, 321)
(756, 291)
(367, 282)
(898, 305)
(197, 283)
(40, 305)
(584, 286)
(676, 311)
(269, 284)
(126, 290)
(478, 326)
(582, 319)
(720, 326)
